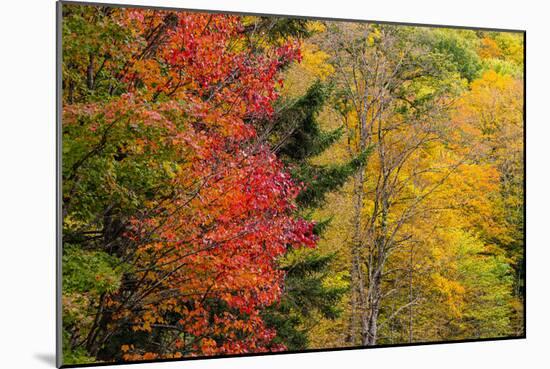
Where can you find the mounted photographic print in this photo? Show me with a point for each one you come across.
(241, 184)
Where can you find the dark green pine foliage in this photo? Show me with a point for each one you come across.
(296, 138)
(277, 28)
(305, 296)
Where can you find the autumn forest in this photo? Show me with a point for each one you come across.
(237, 184)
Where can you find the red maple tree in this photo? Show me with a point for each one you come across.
(204, 252)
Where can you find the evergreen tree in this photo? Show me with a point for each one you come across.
(297, 137)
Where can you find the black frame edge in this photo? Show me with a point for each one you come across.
(310, 351)
(58, 197)
(230, 12)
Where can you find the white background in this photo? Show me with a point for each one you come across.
(27, 182)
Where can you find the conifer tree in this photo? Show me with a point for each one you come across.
(297, 138)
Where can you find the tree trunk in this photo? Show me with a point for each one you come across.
(90, 73)
(370, 321)
(411, 295)
(377, 258)
(357, 283)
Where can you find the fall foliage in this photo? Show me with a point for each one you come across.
(243, 184)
